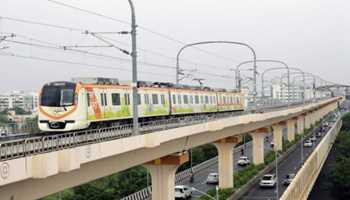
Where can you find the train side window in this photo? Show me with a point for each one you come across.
(210, 99)
(206, 100)
(146, 99)
(162, 99)
(191, 99)
(185, 99)
(202, 100)
(105, 96)
(179, 99)
(174, 99)
(154, 99)
(196, 98)
(88, 99)
(138, 99)
(115, 99)
(102, 99)
(127, 99)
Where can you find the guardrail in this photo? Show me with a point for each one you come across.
(307, 175)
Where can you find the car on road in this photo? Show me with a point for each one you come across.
(183, 192)
(288, 179)
(307, 143)
(243, 161)
(319, 133)
(213, 178)
(268, 180)
(313, 139)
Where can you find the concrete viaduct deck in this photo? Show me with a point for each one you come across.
(36, 176)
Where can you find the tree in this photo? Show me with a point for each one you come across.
(31, 125)
(21, 111)
(340, 177)
(4, 119)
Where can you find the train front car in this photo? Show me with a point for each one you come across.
(60, 109)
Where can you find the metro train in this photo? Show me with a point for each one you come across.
(91, 102)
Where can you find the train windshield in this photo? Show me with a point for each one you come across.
(58, 94)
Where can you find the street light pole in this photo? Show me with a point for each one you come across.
(134, 70)
(217, 192)
(217, 42)
(276, 158)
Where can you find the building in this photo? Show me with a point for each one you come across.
(26, 101)
(296, 93)
(281, 92)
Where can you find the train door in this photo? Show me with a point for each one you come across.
(103, 102)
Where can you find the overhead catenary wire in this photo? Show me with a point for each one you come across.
(152, 52)
(76, 63)
(55, 47)
(88, 53)
(140, 27)
(81, 30)
(80, 64)
(41, 24)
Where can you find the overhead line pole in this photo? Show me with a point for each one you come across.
(134, 70)
(217, 42)
(264, 60)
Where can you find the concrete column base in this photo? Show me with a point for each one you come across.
(307, 121)
(278, 136)
(300, 124)
(225, 149)
(258, 137)
(163, 175)
(291, 129)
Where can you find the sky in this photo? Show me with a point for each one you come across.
(308, 34)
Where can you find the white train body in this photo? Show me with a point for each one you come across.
(67, 106)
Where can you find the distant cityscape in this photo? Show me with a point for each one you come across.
(28, 101)
(18, 112)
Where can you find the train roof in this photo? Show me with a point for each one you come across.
(149, 84)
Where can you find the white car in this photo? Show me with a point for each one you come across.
(268, 180)
(182, 192)
(307, 143)
(243, 161)
(213, 178)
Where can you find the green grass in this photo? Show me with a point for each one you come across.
(223, 194)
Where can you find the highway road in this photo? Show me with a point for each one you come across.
(290, 165)
(200, 178)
